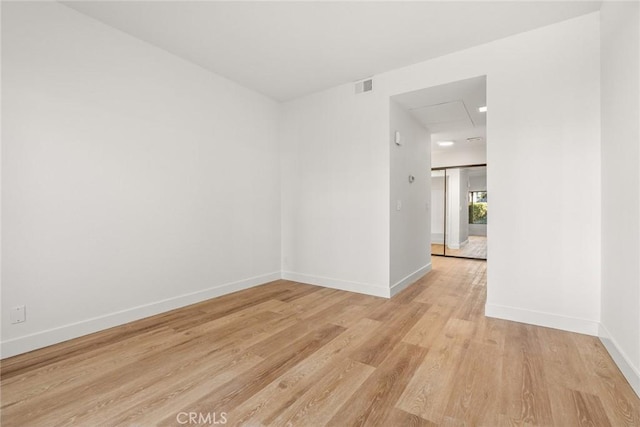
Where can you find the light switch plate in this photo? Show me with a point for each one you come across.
(18, 314)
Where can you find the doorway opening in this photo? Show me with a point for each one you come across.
(455, 115)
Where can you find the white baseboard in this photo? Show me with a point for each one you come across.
(343, 285)
(539, 318)
(630, 372)
(59, 334)
(457, 245)
(411, 278)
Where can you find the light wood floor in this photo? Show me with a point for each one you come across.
(475, 248)
(287, 353)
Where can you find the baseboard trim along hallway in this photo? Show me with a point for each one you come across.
(539, 318)
(622, 360)
(344, 285)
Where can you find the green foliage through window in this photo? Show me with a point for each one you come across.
(477, 207)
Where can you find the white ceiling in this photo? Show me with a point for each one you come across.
(288, 49)
(450, 112)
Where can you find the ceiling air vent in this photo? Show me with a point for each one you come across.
(475, 139)
(364, 86)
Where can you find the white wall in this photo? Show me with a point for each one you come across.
(335, 190)
(543, 98)
(545, 116)
(410, 226)
(133, 182)
(478, 183)
(621, 186)
(469, 156)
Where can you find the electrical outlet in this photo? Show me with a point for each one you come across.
(18, 314)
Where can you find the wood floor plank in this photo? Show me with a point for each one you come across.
(325, 397)
(297, 292)
(397, 417)
(163, 406)
(430, 389)
(525, 397)
(310, 304)
(124, 408)
(408, 295)
(349, 315)
(64, 351)
(589, 410)
(100, 392)
(270, 402)
(240, 389)
(471, 402)
(217, 313)
(44, 379)
(234, 322)
(288, 353)
(619, 400)
(378, 395)
(429, 327)
(284, 337)
(164, 403)
(375, 350)
(490, 331)
(562, 361)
